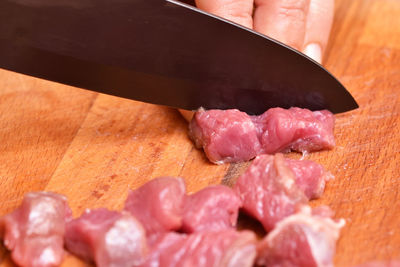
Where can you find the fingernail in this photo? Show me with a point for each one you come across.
(314, 51)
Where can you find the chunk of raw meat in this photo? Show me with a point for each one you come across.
(310, 176)
(213, 208)
(226, 136)
(34, 232)
(158, 204)
(109, 238)
(234, 136)
(227, 248)
(297, 129)
(163, 249)
(269, 191)
(304, 239)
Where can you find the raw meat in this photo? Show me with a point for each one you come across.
(108, 238)
(158, 204)
(226, 136)
(295, 129)
(164, 248)
(34, 232)
(304, 239)
(269, 191)
(213, 208)
(233, 136)
(204, 249)
(310, 176)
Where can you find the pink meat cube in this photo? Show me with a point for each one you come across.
(310, 177)
(108, 238)
(204, 249)
(234, 136)
(34, 232)
(295, 129)
(300, 240)
(158, 204)
(269, 191)
(213, 208)
(225, 135)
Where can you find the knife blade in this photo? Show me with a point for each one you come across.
(163, 52)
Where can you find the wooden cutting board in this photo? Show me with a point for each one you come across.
(93, 147)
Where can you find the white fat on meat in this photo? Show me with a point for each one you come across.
(303, 239)
(34, 232)
(108, 238)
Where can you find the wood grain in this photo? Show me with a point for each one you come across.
(93, 147)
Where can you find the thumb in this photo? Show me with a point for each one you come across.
(239, 12)
(283, 20)
(318, 27)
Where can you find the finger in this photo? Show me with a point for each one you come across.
(283, 20)
(239, 11)
(318, 27)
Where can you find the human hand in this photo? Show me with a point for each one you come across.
(302, 24)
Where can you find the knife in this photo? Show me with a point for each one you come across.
(163, 52)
